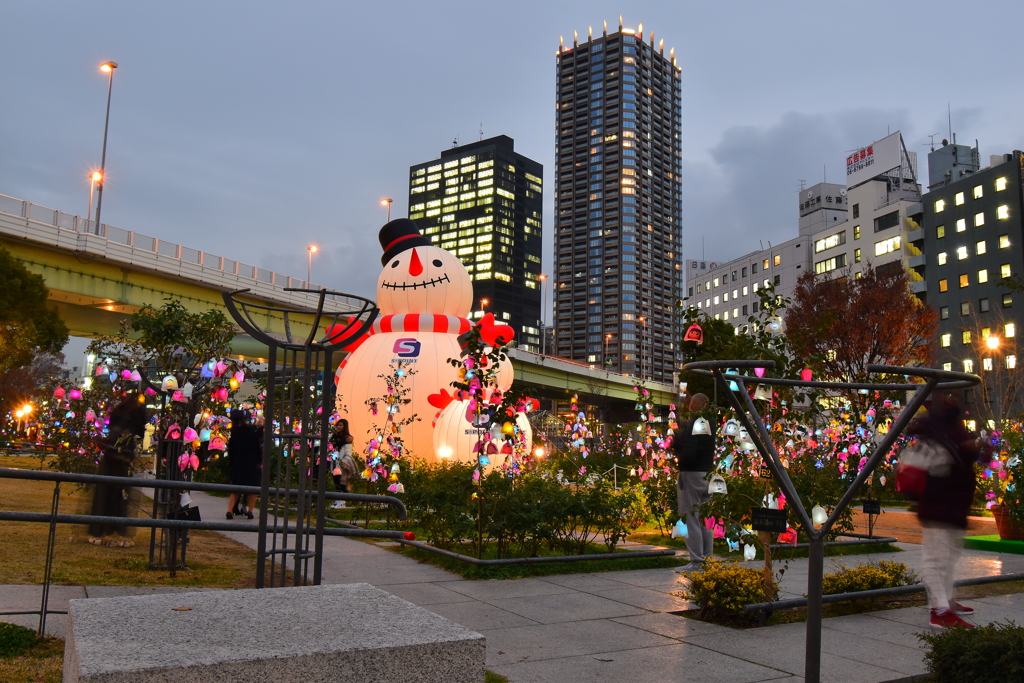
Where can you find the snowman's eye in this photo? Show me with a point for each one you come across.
(395, 264)
(437, 262)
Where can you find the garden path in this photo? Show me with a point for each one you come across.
(617, 625)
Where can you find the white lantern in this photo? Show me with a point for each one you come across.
(749, 552)
(700, 426)
(818, 516)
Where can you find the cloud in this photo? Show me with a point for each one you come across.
(746, 192)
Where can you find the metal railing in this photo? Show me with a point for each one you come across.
(137, 241)
(53, 518)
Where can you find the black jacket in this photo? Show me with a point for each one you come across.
(693, 453)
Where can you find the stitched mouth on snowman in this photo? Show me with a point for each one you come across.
(415, 285)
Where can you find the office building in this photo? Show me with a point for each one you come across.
(483, 202)
(617, 207)
(971, 240)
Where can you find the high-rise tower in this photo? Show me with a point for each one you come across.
(617, 204)
(483, 202)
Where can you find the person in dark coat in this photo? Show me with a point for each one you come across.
(695, 457)
(127, 421)
(245, 458)
(944, 505)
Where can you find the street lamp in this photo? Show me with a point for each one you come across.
(107, 68)
(312, 249)
(992, 342)
(543, 300)
(387, 202)
(607, 338)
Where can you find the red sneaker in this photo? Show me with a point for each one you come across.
(957, 608)
(945, 618)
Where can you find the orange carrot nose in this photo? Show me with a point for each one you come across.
(415, 267)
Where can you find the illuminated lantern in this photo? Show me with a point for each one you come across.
(75, 394)
(749, 552)
(169, 383)
(694, 334)
(732, 428)
(759, 372)
(774, 324)
(762, 393)
(679, 529)
(135, 376)
(58, 393)
(425, 295)
(701, 426)
(806, 374)
(818, 516)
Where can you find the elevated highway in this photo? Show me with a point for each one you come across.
(99, 276)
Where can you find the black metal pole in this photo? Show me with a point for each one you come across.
(268, 451)
(48, 570)
(815, 575)
(103, 154)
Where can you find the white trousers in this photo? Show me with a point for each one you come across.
(940, 552)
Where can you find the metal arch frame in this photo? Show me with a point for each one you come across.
(748, 415)
(316, 355)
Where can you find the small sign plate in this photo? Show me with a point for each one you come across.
(766, 519)
(872, 507)
(764, 473)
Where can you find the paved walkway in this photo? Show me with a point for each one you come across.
(617, 625)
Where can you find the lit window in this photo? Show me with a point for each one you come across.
(979, 219)
(1004, 270)
(735, 312)
(887, 246)
(725, 297)
(940, 231)
(778, 259)
(716, 282)
(1007, 300)
(965, 336)
(1000, 184)
(940, 205)
(961, 253)
(746, 290)
(725, 315)
(1011, 362)
(961, 224)
(986, 364)
(980, 247)
(1004, 241)
(942, 258)
(945, 340)
(764, 266)
(1003, 212)
(943, 285)
(717, 300)
(983, 275)
(968, 366)
(986, 332)
(856, 232)
(944, 312)
(978, 192)
(1010, 330)
(856, 255)
(958, 199)
(964, 280)
(948, 367)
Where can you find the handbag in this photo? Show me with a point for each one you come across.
(923, 458)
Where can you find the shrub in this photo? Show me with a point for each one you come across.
(866, 577)
(722, 589)
(14, 640)
(438, 497)
(985, 653)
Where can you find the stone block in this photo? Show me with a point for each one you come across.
(347, 632)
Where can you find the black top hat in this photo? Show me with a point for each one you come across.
(399, 235)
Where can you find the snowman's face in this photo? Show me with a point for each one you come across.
(425, 280)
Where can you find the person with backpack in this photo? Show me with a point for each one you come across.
(693, 446)
(345, 467)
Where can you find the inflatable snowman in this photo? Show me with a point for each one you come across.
(424, 294)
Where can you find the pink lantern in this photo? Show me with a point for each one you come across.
(58, 392)
(126, 374)
(759, 372)
(75, 394)
(806, 374)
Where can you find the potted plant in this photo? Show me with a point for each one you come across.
(1003, 477)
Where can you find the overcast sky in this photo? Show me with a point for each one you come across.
(251, 129)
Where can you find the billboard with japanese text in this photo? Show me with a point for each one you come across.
(875, 159)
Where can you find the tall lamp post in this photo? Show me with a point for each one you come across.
(312, 249)
(643, 333)
(94, 178)
(543, 301)
(387, 202)
(108, 68)
(607, 338)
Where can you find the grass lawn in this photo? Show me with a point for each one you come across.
(213, 559)
(41, 663)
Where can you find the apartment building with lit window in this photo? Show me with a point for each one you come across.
(483, 202)
(842, 229)
(971, 239)
(618, 272)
